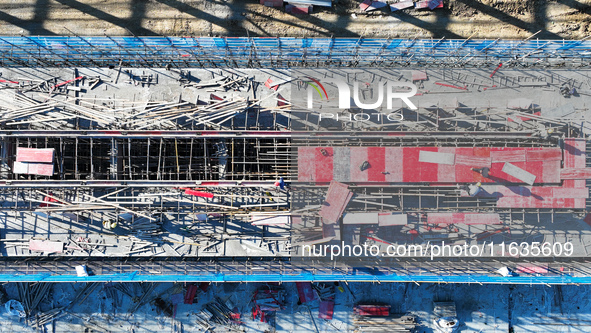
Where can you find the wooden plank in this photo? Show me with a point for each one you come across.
(473, 161)
(436, 157)
(544, 154)
(34, 155)
(389, 219)
(519, 173)
(360, 218)
(508, 155)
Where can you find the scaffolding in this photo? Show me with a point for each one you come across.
(192, 163)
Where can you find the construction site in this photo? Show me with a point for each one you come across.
(295, 184)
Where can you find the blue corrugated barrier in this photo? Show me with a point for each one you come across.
(35, 51)
(133, 277)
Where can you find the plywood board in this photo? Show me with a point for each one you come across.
(519, 173)
(436, 157)
(390, 219)
(270, 219)
(20, 168)
(360, 218)
(46, 246)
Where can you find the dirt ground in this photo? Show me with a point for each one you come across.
(558, 19)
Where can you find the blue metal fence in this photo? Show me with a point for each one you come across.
(35, 51)
(213, 277)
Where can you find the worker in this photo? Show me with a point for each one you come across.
(474, 189)
(280, 183)
(483, 171)
(110, 224)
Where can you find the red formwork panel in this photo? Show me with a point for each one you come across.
(446, 173)
(377, 161)
(306, 164)
(34, 155)
(337, 198)
(326, 310)
(536, 168)
(551, 172)
(472, 219)
(305, 292)
(507, 155)
(358, 155)
(514, 202)
(410, 172)
(428, 171)
(570, 192)
(463, 218)
(323, 166)
(575, 173)
(372, 310)
(532, 202)
(463, 172)
(542, 192)
(42, 169)
(574, 153)
(574, 157)
(440, 218)
(473, 161)
(544, 154)
(481, 151)
(574, 183)
(397, 164)
(394, 164)
(531, 269)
